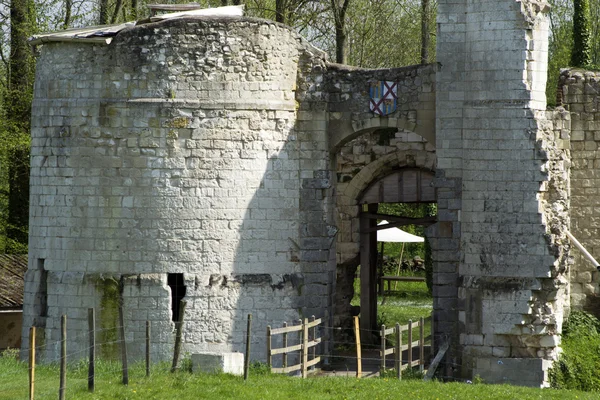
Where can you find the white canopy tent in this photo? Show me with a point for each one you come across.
(396, 235)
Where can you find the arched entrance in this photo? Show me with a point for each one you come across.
(405, 185)
(386, 165)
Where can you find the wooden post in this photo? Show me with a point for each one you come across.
(269, 344)
(432, 344)
(368, 273)
(285, 344)
(382, 369)
(380, 270)
(410, 347)
(178, 331)
(398, 351)
(247, 358)
(63, 357)
(147, 348)
(31, 362)
(421, 344)
(304, 347)
(313, 337)
(124, 367)
(92, 355)
(358, 348)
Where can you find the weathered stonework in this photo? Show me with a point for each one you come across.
(500, 238)
(580, 97)
(227, 150)
(180, 148)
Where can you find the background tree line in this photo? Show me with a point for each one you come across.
(363, 33)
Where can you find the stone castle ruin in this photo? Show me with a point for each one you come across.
(224, 161)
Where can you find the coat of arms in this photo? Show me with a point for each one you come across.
(383, 97)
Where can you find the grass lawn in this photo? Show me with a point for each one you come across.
(407, 300)
(184, 385)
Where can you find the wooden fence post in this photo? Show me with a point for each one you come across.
(382, 369)
(398, 351)
(124, 367)
(31, 362)
(432, 344)
(304, 347)
(92, 355)
(285, 344)
(147, 348)
(63, 357)
(421, 345)
(410, 346)
(178, 332)
(247, 358)
(313, 337)
(269, 344)
(358, 348)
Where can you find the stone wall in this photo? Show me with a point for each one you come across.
(498, 174)
(189, 147)
(580, 97)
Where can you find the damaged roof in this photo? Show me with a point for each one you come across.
(104, 34)
(12, 280)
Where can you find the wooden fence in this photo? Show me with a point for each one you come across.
(399, 348)
(306, 348)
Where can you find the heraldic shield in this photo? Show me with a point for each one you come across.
(384, 95)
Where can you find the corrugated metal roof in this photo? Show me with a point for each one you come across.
(93, 34)
(227, 11)
(12, 279)
(104, 34)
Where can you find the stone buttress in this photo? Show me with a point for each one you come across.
(499, 272)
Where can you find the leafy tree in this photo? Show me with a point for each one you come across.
(16, 115)
(560, 44)
(425, 33)
(339, 9)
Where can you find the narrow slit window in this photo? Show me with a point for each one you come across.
(41, 300)
(177, 285)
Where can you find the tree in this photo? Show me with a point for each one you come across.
(425, 31)
(581, 34)
(16, 107)
(339, 9)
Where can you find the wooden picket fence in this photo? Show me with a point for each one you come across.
(398, 348)
(306, 333)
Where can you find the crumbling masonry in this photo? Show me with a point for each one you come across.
(224, 161)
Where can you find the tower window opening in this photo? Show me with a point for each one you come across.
(178, 289)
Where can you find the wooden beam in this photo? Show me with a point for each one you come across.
(396, 221)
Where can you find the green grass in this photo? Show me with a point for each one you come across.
(184, 385)
(406, 301)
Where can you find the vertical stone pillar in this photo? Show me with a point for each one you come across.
(497, 237)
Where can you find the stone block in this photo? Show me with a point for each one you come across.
(518, 371)
(229, 363)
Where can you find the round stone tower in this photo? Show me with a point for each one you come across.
(166, 166)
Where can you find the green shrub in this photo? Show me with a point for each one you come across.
(579, 363)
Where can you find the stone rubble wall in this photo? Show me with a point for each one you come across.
(499, 179)
(580, 97)
(182, 147)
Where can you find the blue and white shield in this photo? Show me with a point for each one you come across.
(384, 95)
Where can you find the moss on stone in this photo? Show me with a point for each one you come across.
(109, 317)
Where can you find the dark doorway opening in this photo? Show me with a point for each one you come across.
(178, 289)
